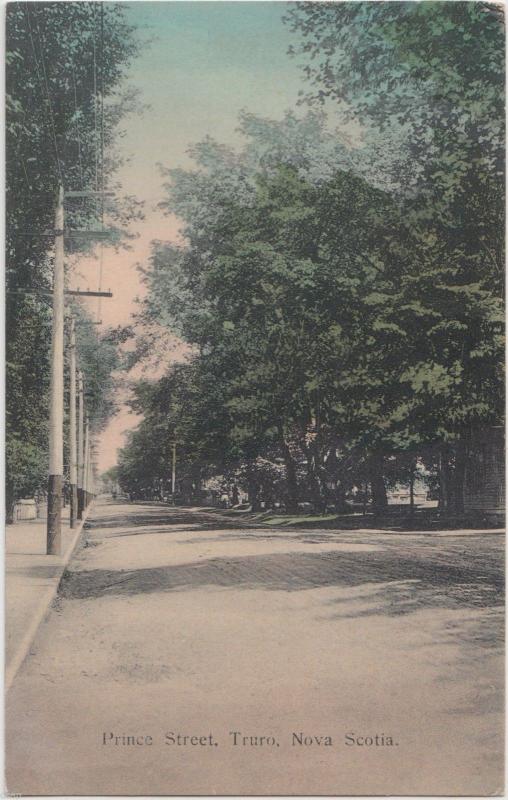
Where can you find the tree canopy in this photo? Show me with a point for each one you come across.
(65, 99)
(344, 304)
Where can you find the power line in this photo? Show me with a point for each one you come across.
(101, 255)
(37, 69)
(102, 110)
(95, 99)
(53, 129)
(24, 170)
(98, 145)
(77, 124)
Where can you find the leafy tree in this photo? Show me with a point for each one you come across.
(109, 480)
(270, 290)
(431, 74)
(65, 64)
(349, 315)
(430, 78)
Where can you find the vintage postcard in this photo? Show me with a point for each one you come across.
(255, 396)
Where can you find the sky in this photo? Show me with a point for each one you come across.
(206, 61)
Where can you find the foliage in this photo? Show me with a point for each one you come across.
(430, 74)
(65, 66)
(338, 317)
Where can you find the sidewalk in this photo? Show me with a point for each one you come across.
(31, 583)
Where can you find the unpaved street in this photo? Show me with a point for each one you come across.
(175, 622)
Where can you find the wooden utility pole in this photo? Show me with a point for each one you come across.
(93, 469)
(86, 463)
(73, 478)
(56, 408)
(56, 411)
(90, 470)
(80, 444)
(173, 472)
(89, 479)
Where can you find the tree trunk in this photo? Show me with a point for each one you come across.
(444, 479)
(340, 498)
(10, 501)
(253, 496)
(364, 502)
(459, 476)
(377, 483)
(412, 489)
(451, 480)
(291, 479)
(291, 484)
(317, 487)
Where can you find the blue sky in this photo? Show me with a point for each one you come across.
(207, 61)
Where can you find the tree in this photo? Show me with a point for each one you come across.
(350, 315)
(109, 480)
(430, 74)
(429, 77)
(65, 64)
(271, 291)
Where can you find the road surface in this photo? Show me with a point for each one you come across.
(189, 656)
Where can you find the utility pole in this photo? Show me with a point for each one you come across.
(56, 412)
(93, 467)
(80, 444)
(55, 478)
(89, 474)
(91, 471)
(86, 464)
(72, 429)
(173, 472)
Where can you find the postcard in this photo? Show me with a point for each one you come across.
(255, 398)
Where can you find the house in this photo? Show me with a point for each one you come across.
(484, 483)
(400, 494)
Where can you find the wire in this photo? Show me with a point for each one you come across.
(98, 146)
(101, 255)
(102, 111)
(45, 300)
(24, 171)
(53, 129)
(95, 100)
(77, 125)
(37, 69)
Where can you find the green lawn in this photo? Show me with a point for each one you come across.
(296, 519)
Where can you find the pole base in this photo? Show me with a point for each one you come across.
(54, 529)
(81, 502)
(74, 504)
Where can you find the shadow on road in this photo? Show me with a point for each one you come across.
(185, 518)
(416, 583)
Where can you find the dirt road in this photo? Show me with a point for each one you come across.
(173, 624)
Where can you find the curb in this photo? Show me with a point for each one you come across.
(295, 528)
(43, 609)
